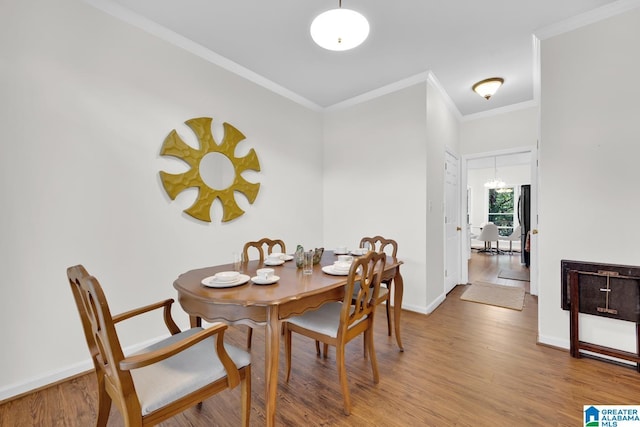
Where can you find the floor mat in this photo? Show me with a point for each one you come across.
(514, 275)
(502, 296)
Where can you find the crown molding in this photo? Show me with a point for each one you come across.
(167, 35)
(130, 17)
(138, 21)
(445, 96)
(426, 76)
(590, 17)
(376, 93)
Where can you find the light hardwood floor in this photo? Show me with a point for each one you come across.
(465, 364)
(486, 268)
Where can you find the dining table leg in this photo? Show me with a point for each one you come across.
(398, 290)
(195, 321)
(272, 352)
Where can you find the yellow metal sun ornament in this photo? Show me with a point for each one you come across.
(174, 184)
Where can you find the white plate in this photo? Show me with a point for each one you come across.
(288, 257)
(337, 252)
(357, 253)
(209, 282)
(274, 262)
(260, 281)
(329, 270)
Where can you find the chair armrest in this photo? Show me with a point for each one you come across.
(168, 320)
(145, 359)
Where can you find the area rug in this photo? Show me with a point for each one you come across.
(502, 296)
(514, 275)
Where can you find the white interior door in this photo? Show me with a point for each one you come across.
(452, 224)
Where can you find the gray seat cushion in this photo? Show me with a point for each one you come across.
(324, 320)
(179, 375)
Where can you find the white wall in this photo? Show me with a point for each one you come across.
(443, 133)
(375, 178)
(513, 129)
(588, 165)
(87, 101)
(384, 160)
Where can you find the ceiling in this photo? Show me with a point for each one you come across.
(458, 41)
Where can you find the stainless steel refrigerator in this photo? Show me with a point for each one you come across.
(524, 217)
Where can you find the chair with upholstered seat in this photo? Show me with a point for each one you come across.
(390, 247)
(261, 246)
(490, 234)
(337, 323)
(164, 378)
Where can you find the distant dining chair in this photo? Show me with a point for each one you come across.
(390, 247)
(513, 237)
(262, 245)
(164, 378)
(337, 323)
(488, 235)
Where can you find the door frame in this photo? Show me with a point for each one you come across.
(533, 151)
(458, 257)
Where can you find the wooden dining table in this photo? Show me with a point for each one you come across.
(269, 305)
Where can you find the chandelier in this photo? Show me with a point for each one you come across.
(495, 182)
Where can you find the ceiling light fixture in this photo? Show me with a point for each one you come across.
(339, 29)
(495, 182)
(486, 88)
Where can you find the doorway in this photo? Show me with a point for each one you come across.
(515, 167)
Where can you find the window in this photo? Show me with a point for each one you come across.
(501, 209)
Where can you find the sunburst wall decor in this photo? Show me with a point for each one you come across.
(174, 184)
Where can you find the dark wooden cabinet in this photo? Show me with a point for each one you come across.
(606, 290)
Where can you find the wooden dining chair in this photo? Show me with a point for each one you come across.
(390, 247)
(164, 378)
(260, 246)
(337, 323)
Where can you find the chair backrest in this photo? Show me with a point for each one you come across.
(367, 270)
(380, 244)
(260, 244)
(515, 235)
(99, 330)
(489, 233)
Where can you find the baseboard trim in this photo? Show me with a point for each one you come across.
(17, 390)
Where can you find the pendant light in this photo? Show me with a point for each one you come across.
(339, 29)
(495, 182)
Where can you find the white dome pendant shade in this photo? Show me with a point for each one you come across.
(339, 29)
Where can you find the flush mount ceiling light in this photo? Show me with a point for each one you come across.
(339, 29)
(486, 88)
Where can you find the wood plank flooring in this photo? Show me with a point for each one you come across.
(465, 364)
(485, 268)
